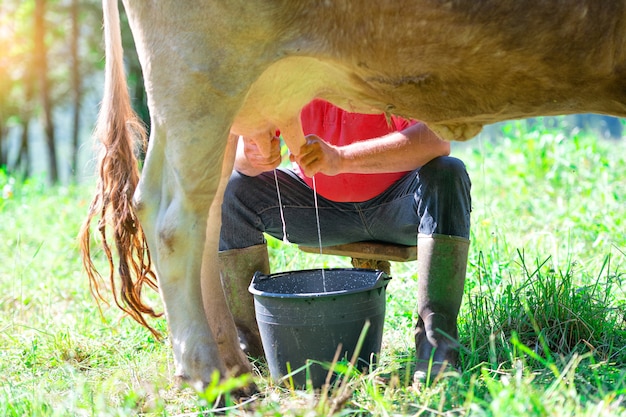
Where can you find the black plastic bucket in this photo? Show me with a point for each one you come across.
(305, 315)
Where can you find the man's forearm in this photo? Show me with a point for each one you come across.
(397, 152)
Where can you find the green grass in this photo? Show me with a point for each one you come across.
(543, 320)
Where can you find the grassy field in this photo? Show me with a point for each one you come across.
(543, 321)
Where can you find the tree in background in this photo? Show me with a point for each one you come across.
(16, 78)
(76, 80)
(134, 74)
(51, 57)
(41, 64)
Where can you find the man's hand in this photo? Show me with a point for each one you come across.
(316, 155)
(254, 158)
(400, 151)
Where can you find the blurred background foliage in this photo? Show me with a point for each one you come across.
(51, 63)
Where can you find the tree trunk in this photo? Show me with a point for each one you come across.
(44, 86)
(3, 135)
(22, 164)
(76, 87)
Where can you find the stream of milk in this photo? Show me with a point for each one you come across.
(317, 218)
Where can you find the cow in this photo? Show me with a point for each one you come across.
(215, 70)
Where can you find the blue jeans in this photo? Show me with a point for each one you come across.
(432, 199)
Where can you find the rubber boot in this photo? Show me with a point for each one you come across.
(442, 263)
(237, 266)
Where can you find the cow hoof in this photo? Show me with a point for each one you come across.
(183, 381)
(245, 392)
(429, 371)
(238, 394)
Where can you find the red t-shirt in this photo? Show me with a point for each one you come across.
(339, 127)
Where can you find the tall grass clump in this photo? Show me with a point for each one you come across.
(543, 321)
(548, 316)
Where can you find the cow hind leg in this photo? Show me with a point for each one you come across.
(216, 308)
(173, 200)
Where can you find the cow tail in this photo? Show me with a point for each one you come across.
(118, 129)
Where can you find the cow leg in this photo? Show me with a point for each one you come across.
(179, 182)
(215, 304)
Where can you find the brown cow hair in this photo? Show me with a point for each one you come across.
(119, 130)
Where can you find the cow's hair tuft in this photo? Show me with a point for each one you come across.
(118, 129)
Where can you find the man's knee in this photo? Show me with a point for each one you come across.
(240, 220)
(445, 164)
(238, 186)
(445, 169)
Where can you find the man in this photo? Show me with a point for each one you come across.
(376, 179)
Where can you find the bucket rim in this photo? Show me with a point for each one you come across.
(382, 279)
